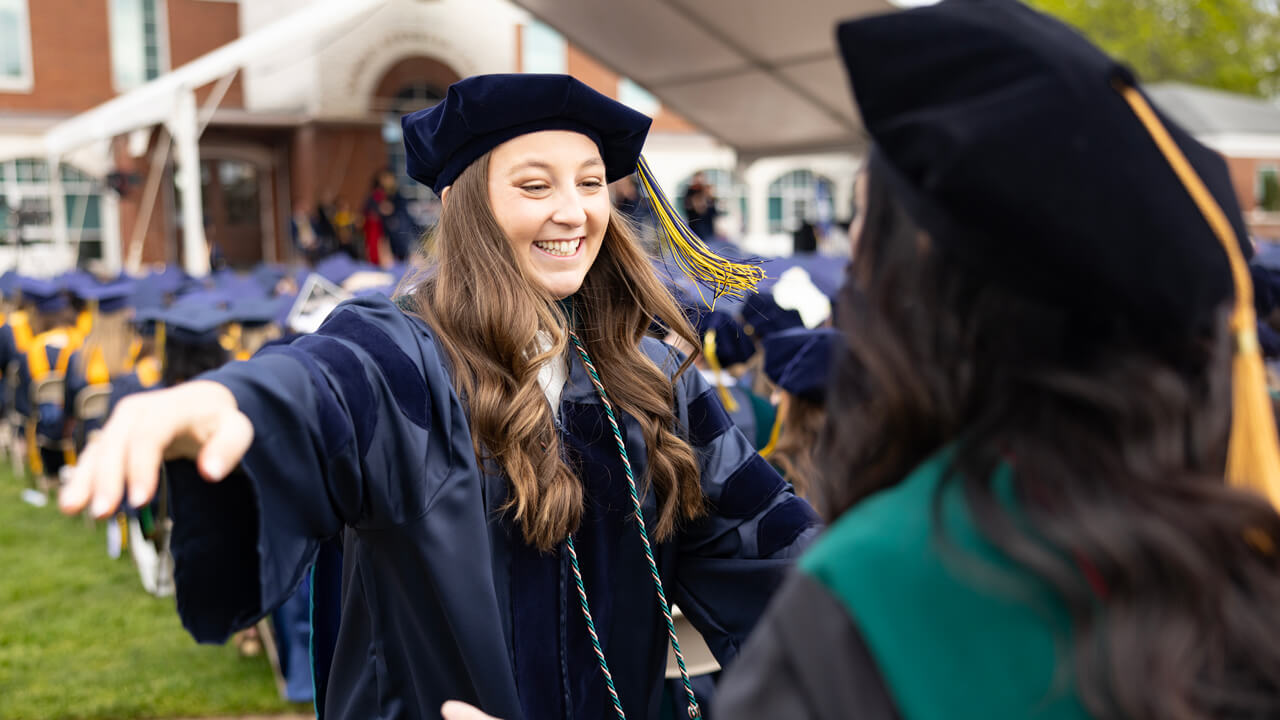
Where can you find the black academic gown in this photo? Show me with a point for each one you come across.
(360, 434)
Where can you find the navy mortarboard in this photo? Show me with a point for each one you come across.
(194, 324)
(257, 311)
(799, 360)
(337, 268)
(1038, 163)
(107, 298)
(48, 296)
(723, 338)
(8, 284)
(480, 113)
(240, 287)
(205, 298)
(762, 316)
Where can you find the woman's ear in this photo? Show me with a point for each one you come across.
(444, 194)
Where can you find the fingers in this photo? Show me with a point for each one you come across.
(75, 494)
(197, 421)
(106, 475)
(454, 710)
(232, 436)
(143, 455)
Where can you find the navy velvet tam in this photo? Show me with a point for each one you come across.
(1005, 135)
(763, 316)
(733, 346)
(48, 296)
(484, 111)
(799, 360)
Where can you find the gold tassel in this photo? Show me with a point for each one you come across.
(1253, 458)
(230, 340)
(722, 276)
(709, 352)
(781, 410)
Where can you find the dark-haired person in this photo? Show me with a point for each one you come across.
(1050, 432)
(484, 446)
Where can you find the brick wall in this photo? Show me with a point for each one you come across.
(70, 57)
(197, 27)
(71, 51)
(1244, 176)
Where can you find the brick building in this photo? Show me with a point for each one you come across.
(287, 126)
(1246, 131)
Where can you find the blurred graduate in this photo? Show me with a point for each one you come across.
(1052, 456)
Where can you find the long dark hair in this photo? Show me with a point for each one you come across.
(1117, 438)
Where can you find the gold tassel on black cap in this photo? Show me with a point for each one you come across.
(723, 277)
(1253, 458)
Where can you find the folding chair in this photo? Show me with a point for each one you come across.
(92, 406)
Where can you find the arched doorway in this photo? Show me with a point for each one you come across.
(410, 85)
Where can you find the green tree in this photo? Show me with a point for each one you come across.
(1232, 45)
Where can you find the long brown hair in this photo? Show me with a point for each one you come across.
(489, 317)
(1117, 436)
(113, 336)
(794, 453)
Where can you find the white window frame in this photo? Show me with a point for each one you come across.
(631, 94)
(162, 43)
(12, 188)
(550, 33)
(24, 82)
(790, 193)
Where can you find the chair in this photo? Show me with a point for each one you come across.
(93, 404)
(49, 391)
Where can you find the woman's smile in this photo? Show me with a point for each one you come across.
(560, 248)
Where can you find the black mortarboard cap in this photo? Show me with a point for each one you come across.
(1005, 135)
(484, 111)
(1034, 159)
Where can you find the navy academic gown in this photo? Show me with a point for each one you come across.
(358, 433)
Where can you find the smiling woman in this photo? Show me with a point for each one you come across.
(549, 197)
(523, 481)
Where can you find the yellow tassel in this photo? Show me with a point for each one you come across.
(709, 352)
(1253, 457)
(767, 450)
(230, 340)
(723, 277)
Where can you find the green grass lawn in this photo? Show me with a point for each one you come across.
(79, 638)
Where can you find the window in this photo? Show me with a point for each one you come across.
(139, 47)
(423, 203)
(637, 98)
(731, 195)
(15, 46)
(799, 196)
(26, 213)
(1266, 189)
(240, 191)
(543, 50)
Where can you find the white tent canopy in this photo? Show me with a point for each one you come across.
(763, 76)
